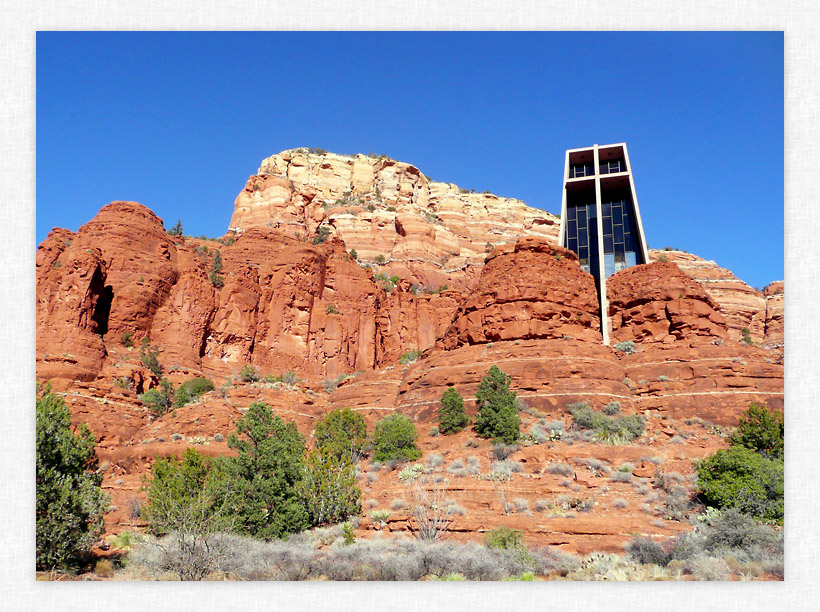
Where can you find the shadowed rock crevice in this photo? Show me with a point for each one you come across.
(103, 309)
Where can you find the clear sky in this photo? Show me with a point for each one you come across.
(178, 121)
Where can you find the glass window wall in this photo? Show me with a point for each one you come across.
(578, 170)
(620, 235)
(608, 167)
(582, 234)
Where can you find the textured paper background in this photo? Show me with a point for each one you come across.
(20, 20)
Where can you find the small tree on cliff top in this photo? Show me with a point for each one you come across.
(497, 416)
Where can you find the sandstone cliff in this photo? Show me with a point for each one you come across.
(427, 232)
(467, 281)
(761, 312)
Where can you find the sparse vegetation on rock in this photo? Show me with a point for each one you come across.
(190, 390)
(159, 400)
(248, 373)
(149, 356)
(611, 430)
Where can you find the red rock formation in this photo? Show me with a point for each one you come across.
(715, 382)
(141, 263)
(71, 309)
(428, 232)
(410, 319)
(741, 305)
(773, 336)
(288, 304)
(533, 289)
(657, 302)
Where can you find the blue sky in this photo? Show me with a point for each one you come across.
(178, 121)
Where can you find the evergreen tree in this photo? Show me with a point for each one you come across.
(342, 433)
(740, 478)
(328, 488)
(183, 502)
(175, 485)
(451, 415)
(158, 400)
(394, 438)
(761, 430)
(70, 502)
(176, 230)
(262, 479)
(497, 416)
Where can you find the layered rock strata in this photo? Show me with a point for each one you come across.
(427, 232)
(278, 302)
(283, 301)
(659, 303)
(761, 312)
(685, 365)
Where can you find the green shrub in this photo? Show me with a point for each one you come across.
(740, 478)
(331, 309)
(216, 280)
(619, 430)
(328, 488)
(176, 230)
(183, 502)
(260, 483)
(612, 408)
(190, 390)
(504, 538)
(341, 433)
(289, 378)
(353, 254)
(451, 415)
(627, 347)
(159, 400)
(149, 356)
(126, 340)
(347, 534)
(175, 485)
(394, 438)
(379, 259)
(497, 416)
(248, 373)
(761, 430)
(388, 283)
(322, 234)
(70, 502)
(746, 335)
(409, 357)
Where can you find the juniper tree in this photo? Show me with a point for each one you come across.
(70, 501)
(497, 416)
